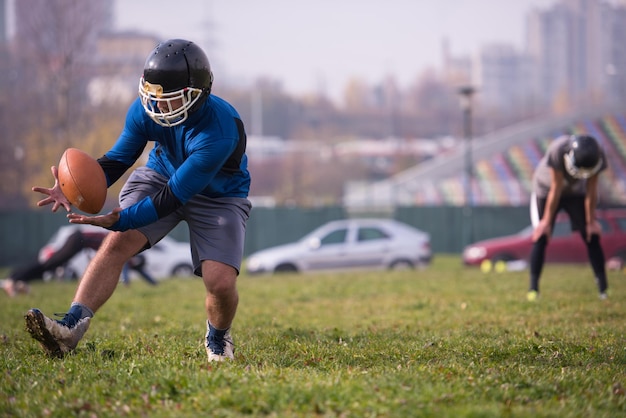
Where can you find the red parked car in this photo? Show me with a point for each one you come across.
(565, 246)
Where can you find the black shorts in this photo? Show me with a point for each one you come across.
(574, 206)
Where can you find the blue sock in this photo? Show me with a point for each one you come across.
(77, 312)
(214, 332)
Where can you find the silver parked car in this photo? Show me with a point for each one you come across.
(348, 244)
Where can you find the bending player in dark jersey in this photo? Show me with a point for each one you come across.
(567, 179)
(18, 279)
(79, 240)
(196, 172)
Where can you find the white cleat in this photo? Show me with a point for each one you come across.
(56, 338)
(220, 350)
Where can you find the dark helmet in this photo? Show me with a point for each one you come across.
(584, 156)
(175, 70)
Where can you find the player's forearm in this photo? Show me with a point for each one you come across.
(591, 199)
(552, 203)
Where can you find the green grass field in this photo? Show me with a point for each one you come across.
(444, 342)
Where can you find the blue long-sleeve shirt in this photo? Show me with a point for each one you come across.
(203, 155)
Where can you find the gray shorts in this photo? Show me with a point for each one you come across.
(217, 226)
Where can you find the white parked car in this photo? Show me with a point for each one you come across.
(168, 258)
(365, 244)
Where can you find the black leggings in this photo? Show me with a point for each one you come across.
(35, 269)
(594, 251)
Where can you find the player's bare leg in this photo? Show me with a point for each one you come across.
(222, 298)
(97, 285)
(104, 270)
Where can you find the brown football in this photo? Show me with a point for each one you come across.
(82, 181)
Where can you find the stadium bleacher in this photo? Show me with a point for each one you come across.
(503, 168)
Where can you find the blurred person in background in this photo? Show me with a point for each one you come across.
(17, 282)
(53, 259)
(566, 179)
(137, 263)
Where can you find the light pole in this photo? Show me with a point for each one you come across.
(465, 94)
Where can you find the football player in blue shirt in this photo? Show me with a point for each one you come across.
(196, 172)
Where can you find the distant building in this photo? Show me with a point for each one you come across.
(574, 56)
(503, 77)
(615, 53)
(119, 64)
(457, 71)
(7, 20)
(578, 49)
(4, 21)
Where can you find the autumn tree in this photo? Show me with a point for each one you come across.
(43, 101)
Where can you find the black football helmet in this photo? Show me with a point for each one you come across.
(176, 70)
(584, 158)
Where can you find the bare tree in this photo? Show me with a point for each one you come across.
(42, 101)
(57, 40)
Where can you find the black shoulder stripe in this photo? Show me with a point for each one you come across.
(234, 161)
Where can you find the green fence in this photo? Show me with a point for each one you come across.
(23, 233)
(451, 227)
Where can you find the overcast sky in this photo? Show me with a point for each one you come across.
(318, 45)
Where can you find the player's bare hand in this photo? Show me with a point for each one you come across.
(55, 195)
(543, 228)
(593, 227)
(104, 221)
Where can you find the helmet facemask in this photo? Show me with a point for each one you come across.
(152, 95)
(580, 172)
